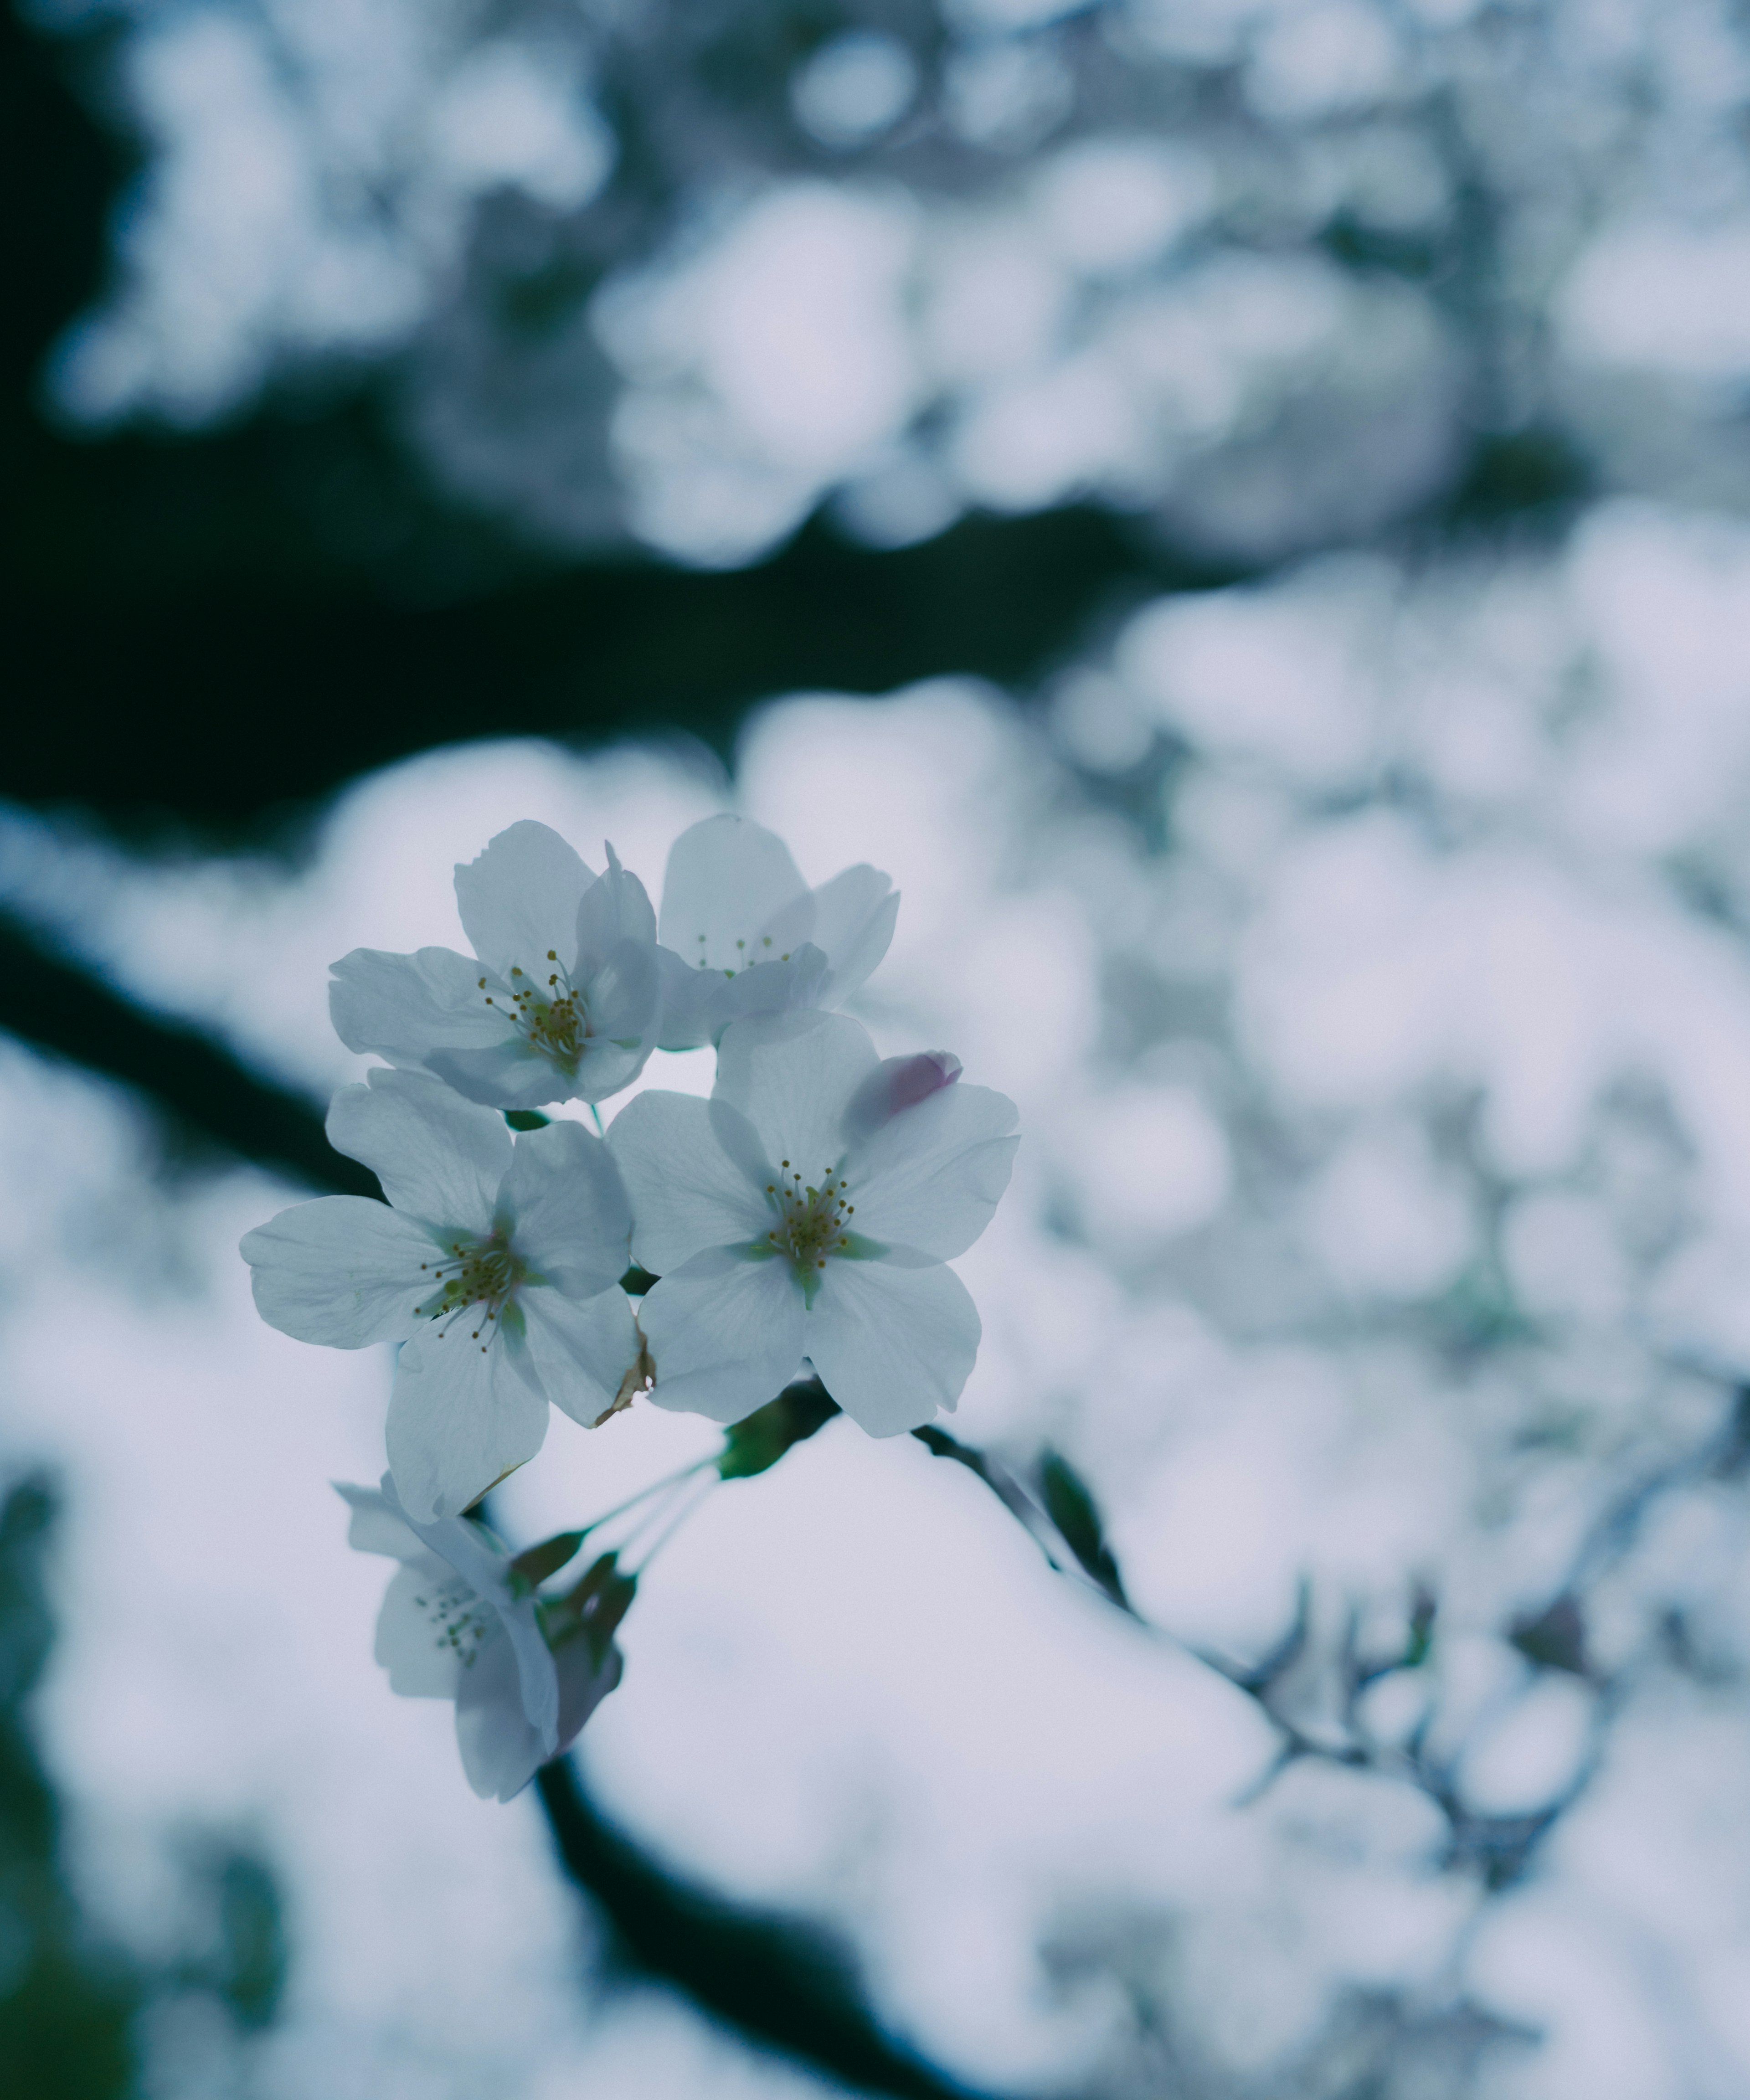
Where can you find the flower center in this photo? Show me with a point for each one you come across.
(742, 955)
(812, 1224)
(552, 1020)
(480, 1272)
(462, 1622)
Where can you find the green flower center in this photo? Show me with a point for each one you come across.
(812, 1224)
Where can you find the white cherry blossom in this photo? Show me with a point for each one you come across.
(561, 1000)
(743, 933)
(459, 1623)
(809, 1209)
(495, 1261)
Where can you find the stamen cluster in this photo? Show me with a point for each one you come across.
(485, 1273)
(811, 1223)
(556, 1022)
(462, 1622)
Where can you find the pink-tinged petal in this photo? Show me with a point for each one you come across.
(613, 909)
(854, 917)
(896, 1084)
(566, 1209)
(892, 1343)
(377, 1525)
(461, 1417)
(793, 1075)
(404, 1007)
(410, 1643)
(343, 1271)
(502, 1750)
(725, 1334)
(439, 1159)
(690, 1190)
(519, 899)
(582, 1347)
(931, 1176)
(730, 885)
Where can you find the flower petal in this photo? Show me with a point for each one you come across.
(582, 1347)
(583, 1686)
(614, 908)
(519, 898)
(730, 884)
(567, 1209)
(892, 1343)
(793, 1075)
(460, 1418)
(931, 1176)
(378, 1526)
(726, 1333)
(439, 1159)
(688, 1192)
(624, 998)
(404, 1007)
(421, 1663)
(691, 996)
(509, 1075)
(501, 1750)
(854, 915)
(343, 1271)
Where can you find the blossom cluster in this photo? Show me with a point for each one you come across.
(800, 1220)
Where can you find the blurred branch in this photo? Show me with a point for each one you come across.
(203, 1093)
(779, 1981)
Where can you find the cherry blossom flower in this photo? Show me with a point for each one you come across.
(495, 1261)
(460, 1622)
(809, 1209)
(743, 933)
(560, 1001)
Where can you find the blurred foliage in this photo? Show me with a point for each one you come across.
(73, 2004)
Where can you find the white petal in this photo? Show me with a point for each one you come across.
(378, 1525)
(459, 1419)
(509, 1074)
(691, 998)
(854, 915)
(687, 1191)
(797, 983)
(567, 1209)
(344, 1271)
(793, 1075)
(892, 1344)
(725, 1334)
(501, 1750)
(410, 1645)
(519, 898)
(582, 1685)
(623, 1000)
(583, 1347)
(730, 885)
(404, 1007)
(438, 1158)
(931, 1175)
(614, 908)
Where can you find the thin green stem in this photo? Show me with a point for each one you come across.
(644, 1494)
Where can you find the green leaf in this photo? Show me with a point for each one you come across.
(762, 1438)
(526, 1119)
(636, 1281)
(534, 1564)
(1071, 1507)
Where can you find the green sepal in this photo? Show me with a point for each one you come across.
(533, 1565)
(760, 1440)
(526, 1119)
(1071, 1507)
(593, 1609)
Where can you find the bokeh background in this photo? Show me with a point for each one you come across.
(1239, 506)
